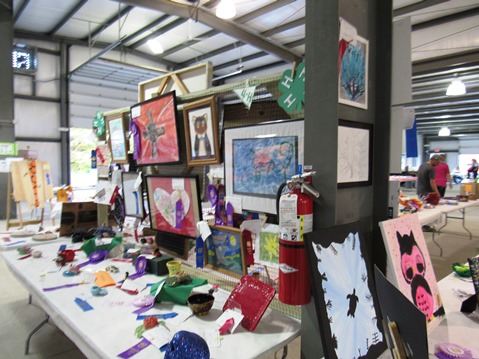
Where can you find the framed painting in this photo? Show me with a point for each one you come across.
(344, 293)
(117, 137)
(258, 159)
(156, 130)
(201, 132)
(410, 267)
(133, 194)
(355, 142)
(174, 204)
(224, 251)
(353, 72)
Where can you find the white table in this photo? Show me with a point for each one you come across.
(109, 329)
(460, 328)
(431, 215)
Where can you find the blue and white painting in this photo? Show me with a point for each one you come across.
(350, 305)
(353, 74)
(261, 165)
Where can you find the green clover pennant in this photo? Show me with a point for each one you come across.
(292, 99)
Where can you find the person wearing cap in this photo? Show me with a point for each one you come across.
(426, 177)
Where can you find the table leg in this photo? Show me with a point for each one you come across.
(463, 218)
(434, 239)
(285, 353)
(36, 329)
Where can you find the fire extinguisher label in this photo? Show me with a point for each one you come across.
(283, 267)
(288, 219)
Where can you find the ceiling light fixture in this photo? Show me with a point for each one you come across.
(226, 9)
(444, 131)
(155, 45)
(456, 88)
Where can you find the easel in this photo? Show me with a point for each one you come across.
(10, 199)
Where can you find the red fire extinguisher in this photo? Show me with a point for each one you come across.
(295, 215)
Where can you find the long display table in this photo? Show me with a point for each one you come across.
(108, 329)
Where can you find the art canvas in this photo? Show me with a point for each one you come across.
(156, 132)
(260, 165)
(344, 293)
(353, 72)
(224, 251)
(268, 245)
(409, 266)
(174, 204)
(133, 193)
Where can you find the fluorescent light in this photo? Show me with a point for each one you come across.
(226, 9)
(456, 88)
(444, 131)
(155, 45)
(266, 136)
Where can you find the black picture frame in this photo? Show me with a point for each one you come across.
(355, 154)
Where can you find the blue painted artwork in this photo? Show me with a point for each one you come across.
(223, 249)
(261, 165)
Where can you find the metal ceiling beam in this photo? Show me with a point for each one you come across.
(275, 5)
(446, 19)
(20, 11)
(171, 66)
(158, 32)
(147, 28)
(237, 44)
(68, 16)
(228, 27)
(416, 7)
(109, 22)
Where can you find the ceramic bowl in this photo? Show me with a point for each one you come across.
(201, 303)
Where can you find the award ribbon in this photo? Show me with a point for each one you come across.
(94, 258)
(134, 349)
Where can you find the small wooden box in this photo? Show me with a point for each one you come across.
(157, 265)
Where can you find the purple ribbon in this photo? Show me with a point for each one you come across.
(135, 131)
(135, 349)
(140, 267)
(94, 258)
(49, 289)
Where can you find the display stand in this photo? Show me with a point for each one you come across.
(10, 198)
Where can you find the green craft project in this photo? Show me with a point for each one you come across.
(90, 245)
(178, 294)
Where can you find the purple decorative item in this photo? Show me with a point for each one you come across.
(187, 345)
(94, 258)
(144, 304)
(229, 214)
(179, 214)
(136, 139)
(452, 351)
(212, 194)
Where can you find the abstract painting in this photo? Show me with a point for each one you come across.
(409, 266)
(353, 72)
(224, 251)
(354, 154)
(156, 133)
(174, 204)
(344, 293)
(258, 159)
(260, 165)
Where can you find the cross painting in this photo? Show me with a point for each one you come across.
(157, 132)
(344, 293)
(410, 268)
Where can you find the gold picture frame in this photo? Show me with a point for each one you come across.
(117, 141)
(201, 132)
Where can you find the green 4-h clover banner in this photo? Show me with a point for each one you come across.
(292, 87)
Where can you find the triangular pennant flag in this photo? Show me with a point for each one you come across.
(246, 95)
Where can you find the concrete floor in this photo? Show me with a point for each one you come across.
(18, 318)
